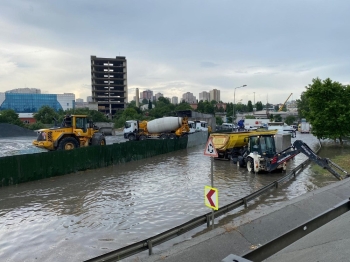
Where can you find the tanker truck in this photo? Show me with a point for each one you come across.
(161, 128)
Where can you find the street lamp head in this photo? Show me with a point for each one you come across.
(244, 85)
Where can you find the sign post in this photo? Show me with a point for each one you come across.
(211, 151)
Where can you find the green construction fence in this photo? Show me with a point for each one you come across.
(23, 168)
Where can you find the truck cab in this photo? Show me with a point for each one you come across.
(201, 125)
(192, 127)
(130, 129)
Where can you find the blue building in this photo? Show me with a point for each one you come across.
(31, 103)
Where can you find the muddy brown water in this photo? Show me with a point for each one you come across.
(86, 214)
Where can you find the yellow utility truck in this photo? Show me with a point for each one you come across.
(229, 144)
(74, 131)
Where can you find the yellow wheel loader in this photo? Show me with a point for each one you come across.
(74, 131)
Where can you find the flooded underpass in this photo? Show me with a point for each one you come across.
(86, 214)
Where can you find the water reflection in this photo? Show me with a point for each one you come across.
(92, 212)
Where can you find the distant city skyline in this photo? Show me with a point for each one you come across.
(272, 47)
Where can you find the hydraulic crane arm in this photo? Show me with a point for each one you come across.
(300, 147)
(281, 107)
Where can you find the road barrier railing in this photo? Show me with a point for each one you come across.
(295, 234)
(148, 244)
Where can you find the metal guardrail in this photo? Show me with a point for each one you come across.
(295, 234)
(148, 244)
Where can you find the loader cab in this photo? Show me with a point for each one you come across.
(264, 145)
(81, 123)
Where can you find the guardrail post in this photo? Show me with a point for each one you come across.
(276, 184)
(149, 243)
(208, 221)
(245, 202)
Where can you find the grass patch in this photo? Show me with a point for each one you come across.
(343, 161)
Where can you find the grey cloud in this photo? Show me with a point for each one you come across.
(291, 37)
(208, 64)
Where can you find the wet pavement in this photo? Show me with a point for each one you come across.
(86, 214)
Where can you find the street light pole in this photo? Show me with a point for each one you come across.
(234, 103)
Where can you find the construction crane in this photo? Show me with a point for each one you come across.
(281, 107)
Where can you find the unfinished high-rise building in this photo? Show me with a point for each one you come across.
(109, 83)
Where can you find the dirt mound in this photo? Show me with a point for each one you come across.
(8, 130)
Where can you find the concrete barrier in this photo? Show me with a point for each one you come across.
(283, 141)
(23, 168)
(197, 138)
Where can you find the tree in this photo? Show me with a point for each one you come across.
(200, 107)
(97, 116)
(132, 103)
(329, 109)
(290, 120)
(46, 115)
(150, 104)
(303, 105)
(206, 107)
(249, 117)
(35, 126)
(183, 106)
(259, 106)
(11, 117)
(164, 100)
(277, 118)
(250, 106)
(218, 120)
(241, 108)
(145, 101)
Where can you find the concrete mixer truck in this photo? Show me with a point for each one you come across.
(161, 128)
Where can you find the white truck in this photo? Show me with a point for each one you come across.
(258, 123)
(201, 125)
(192, 126)
(305, 127)
(161, 128)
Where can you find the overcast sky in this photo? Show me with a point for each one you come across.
(274, 47)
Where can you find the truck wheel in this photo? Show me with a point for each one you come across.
(250, 165)
(172, 136)
(131, 137)
(142, 137)
(68, 143)
(164, 136)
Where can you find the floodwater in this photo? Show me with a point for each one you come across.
(83, 215)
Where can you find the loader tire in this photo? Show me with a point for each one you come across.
(68, 143)
(102, 141)
(250, 165)
(98, 139)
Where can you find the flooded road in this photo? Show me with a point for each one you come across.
(86, 214)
